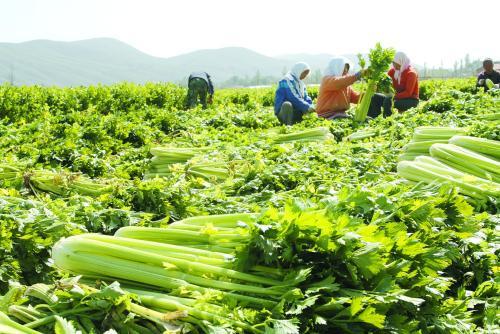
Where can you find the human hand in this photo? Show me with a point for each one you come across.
(366, 72)
(362, 74)
(481, 82)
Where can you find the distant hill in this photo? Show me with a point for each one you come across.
(318, 61)
(85, 62)
(227, 62)
(107, 61)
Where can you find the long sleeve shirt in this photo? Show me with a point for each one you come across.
(205, 76)
(493, 76)
(407, 87)
(289, 90)
(336, 95)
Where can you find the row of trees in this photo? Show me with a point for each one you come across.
(263, 80)
(464, 67)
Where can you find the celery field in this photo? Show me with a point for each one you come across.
(121, 212)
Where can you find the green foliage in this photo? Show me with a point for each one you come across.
(380, 60)
(370, 253)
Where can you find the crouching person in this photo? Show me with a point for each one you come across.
(291, 100)
(335, 91)
(489, 78)
(405, 83)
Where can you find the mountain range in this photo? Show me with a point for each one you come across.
(108, 61)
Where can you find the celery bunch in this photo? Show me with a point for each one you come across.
(165, 157)
(59, 183)
(426, 136)
(467, 161)
(9, 326)
(380, 60)
(480, 145)
(8, 172)
(309, 135)
(190, 257)
(465, 165)
(432, 171)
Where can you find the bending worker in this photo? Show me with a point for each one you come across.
(200, 90)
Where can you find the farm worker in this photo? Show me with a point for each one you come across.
(200, 89)
(335, 91)
(291, 101)
(488, 73)
(405, 83)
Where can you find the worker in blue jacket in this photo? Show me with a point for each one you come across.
(291, 100)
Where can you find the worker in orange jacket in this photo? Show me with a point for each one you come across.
(335, 91)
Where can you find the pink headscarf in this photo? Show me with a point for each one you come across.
(402, 59)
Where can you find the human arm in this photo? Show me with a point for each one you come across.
(210, 99)
(496, 78)
(480, 80)
(308, 99)
(292, 95)
(210, 86)
(332, 83)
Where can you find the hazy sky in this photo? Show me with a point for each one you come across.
(432, 31)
